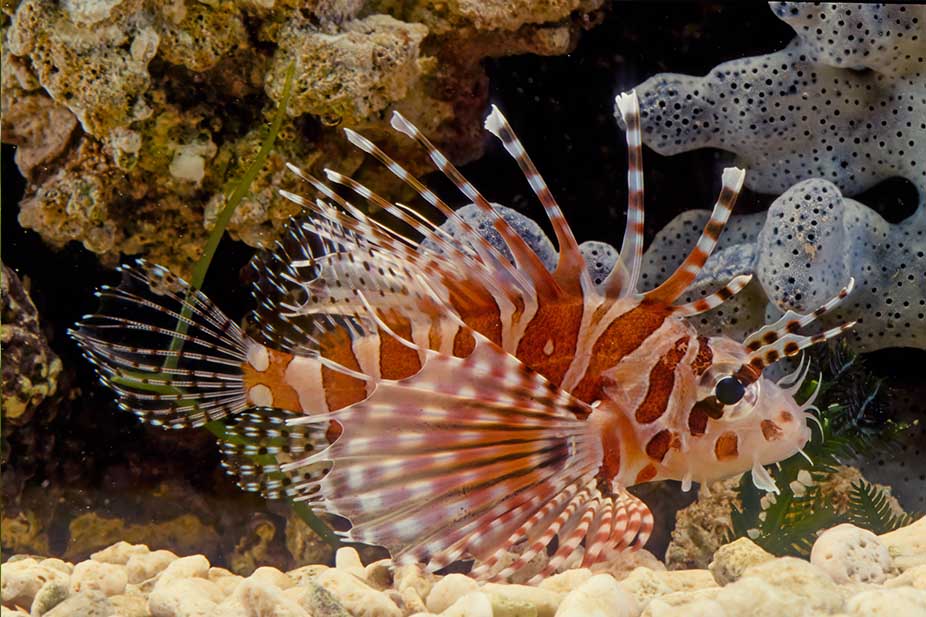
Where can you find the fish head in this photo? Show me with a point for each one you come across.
(739, 420)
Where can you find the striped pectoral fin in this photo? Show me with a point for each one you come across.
(430, 465)
(170, 355)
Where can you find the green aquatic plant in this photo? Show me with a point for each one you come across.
(239, 190)
(853, 419)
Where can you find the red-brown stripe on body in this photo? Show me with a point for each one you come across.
(726, 446)
(661, 383)
(658, 445)
(284, 396)
(623, 336)
(340, 390)
(554, 328)
(704, 357)
(396, 360)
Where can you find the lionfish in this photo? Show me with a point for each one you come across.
(454, 398)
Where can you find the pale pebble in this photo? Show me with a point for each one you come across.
(194, 566)
(448, 590)
(599, 596)
(379, 574)
(356, 596)
(306, 573)
(22, 578)
(473, 604)
(320, 602)
(57, 564)
(414, 576)
(130, 605)
(85, 604)
(51, 594)
(800, 578)
(757, 598)
(257, 598)
(731, 560)
(119, 553)
(187, 597)
(144, 566)
(899, 602)
(272, 576)
(848, 553)
(348, 559)
(907, 545)
(564, 582)
(544, 601)
(412, 601)
(106, 577)
(704, 607)
(914, 577)
(225, 579)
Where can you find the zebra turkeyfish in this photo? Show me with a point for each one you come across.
(452, 397)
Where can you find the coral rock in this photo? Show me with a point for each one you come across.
(731, 560)
(848, 553)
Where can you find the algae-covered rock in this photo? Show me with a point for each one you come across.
(30, 368)
(347, 75)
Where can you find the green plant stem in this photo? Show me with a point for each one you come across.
(200, 269)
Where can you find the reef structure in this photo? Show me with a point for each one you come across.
(133, 117)
(839, 110)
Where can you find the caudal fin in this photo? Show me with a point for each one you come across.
(170, 376)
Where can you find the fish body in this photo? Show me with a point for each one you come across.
(451, 397)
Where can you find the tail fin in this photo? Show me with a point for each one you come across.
(171, 376)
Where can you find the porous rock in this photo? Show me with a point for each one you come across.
(849, 553)
(753, 107)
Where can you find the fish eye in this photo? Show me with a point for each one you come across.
(729, 390)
